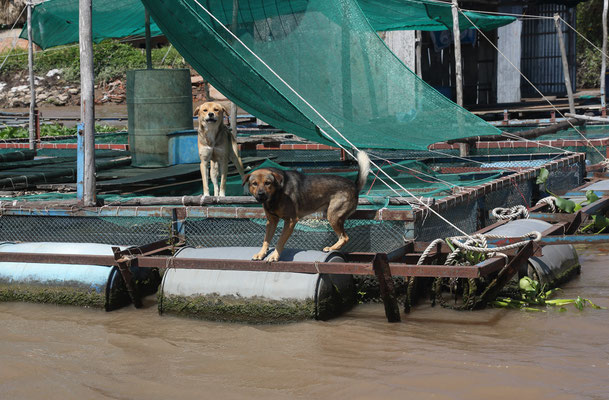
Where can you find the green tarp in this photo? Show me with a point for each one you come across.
(55, 22)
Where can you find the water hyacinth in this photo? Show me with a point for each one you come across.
(532, 296)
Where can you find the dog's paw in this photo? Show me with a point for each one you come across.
(327, 249)
(273, 257)
(258, 256)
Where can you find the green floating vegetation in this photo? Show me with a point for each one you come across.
(230, 308)
(532, 296)
(64, 295)
(50, 130)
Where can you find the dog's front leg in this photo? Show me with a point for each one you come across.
(213, 172)
(205, 177)
(288, 228)
(271, 226)
(223, 173)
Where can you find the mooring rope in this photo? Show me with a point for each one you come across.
(510, 213)
(476, 243)
(550, 201)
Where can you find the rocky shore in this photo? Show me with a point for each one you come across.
(52, 89)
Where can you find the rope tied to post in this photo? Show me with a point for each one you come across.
(550, 201)
(511, 212)
(467, 246)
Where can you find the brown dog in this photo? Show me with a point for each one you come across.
(216, 146)
(290, 195)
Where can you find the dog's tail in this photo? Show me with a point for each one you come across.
(364, 169)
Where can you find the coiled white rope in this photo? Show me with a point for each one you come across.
(478, 242)
(510, 213)
(550, 201)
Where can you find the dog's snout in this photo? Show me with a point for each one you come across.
(260, 195)
(211, 114)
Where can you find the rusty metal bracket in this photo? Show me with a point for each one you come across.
(124, 264)
(380, 264)
(505, 275)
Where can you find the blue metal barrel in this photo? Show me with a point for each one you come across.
(73, 284)
(557, 264)
(253, 296)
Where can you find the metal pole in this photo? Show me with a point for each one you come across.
(30, 61)
(565, 63)
(87, 105)
(457, 42)
(148, 41)
(604, 61)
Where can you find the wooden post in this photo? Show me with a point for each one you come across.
(418, 53)
(457, 42)
(30, 62)
(148, 41)
(565, 63)
(233, 106)
(380, 264)
(87, 105)
(604, 60)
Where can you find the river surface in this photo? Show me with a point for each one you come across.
(52, 352)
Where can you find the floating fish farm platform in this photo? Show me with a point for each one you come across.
(171, 235)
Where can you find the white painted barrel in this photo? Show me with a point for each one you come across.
(74, 284)
(558, 262)
(254, 296)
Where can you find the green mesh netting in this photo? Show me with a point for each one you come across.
(55, 22)
(329, 53)
(325, 49)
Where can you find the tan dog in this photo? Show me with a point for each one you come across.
(290, 195)
(216, 146)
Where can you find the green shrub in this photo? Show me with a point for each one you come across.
(111, 60)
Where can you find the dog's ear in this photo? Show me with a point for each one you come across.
(279, 178)
(197, 111)
(246, 178)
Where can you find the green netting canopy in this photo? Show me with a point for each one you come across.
(327, 51)
(55, 22)
(305, 66)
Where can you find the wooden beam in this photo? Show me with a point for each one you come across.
(565, 63)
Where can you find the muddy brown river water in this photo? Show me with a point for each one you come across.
(51, 352)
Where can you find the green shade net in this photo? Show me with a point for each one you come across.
(326, 51)
(387, 15)
(55, 22)
(330, 55)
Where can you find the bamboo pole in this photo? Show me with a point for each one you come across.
(457, 43)
(233, 106)
(463, 147)
(30, 62)
(418, 53)
(148, 40)
(565, 63)
(604, 60)
(87, 105)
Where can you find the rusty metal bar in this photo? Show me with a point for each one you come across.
(382, 271)
(506, 274)
(397, 269)
(124, 267)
